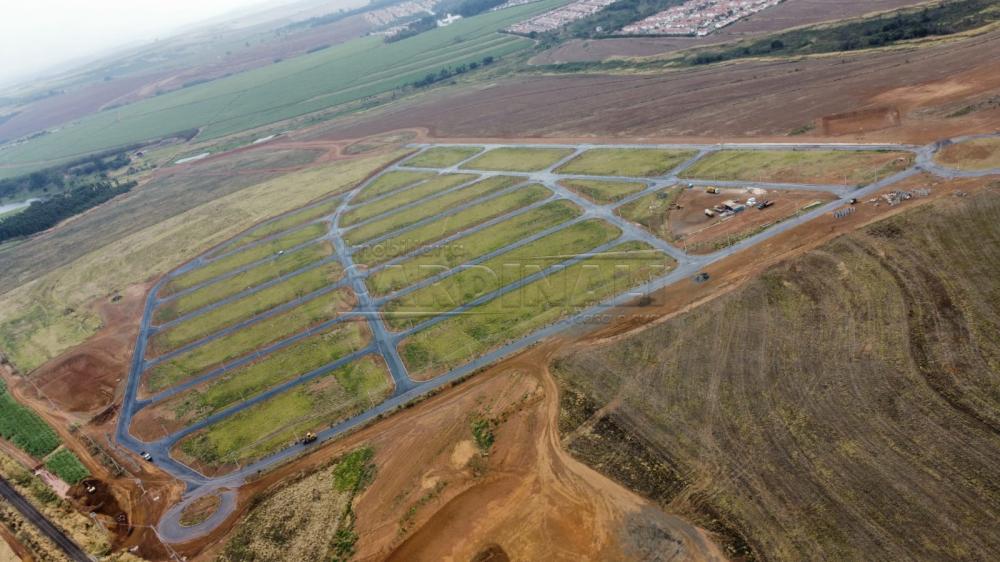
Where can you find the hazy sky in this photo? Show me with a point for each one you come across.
(37, 34)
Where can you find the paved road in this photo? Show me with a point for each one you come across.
(66, 544)
(384, 342)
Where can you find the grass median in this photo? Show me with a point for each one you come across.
(244, 257)
(421, 236)
(500, 271)
(279, 421)
(632, 162)
(389, 182)
(514, 159)
(461, 338)
(201, 359)
(290, 220)
(443, 156)
(253, 277)
(470, 247)
(603, 191)
(403, 219)
(405, 197)
(246, 307)
(800, 166)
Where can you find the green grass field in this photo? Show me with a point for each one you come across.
(243, 257)
(23, 427)
(287, 364)
(200, 359)
(513, 159)
(640, 163)
(470, 247)
(463, 287)
(415, 214)
(458, 339)
(291, 220)
(409, 241)
(390, 181)
(66, 466)
(247, 307)
(650, 211)
(348, 72)
(250, 278)
(426, 189)
(800, 166)
(279, 421)
(443, 156)
(601, 191)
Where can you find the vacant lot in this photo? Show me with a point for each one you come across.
(470, 247)
(244, 308)
(246, 382)
(389, 182)
(244, 257)
(422, 191)
(443, 156)
(517, 314)
(241, 342)
(803, 166)
(977, 154)
(435, 230)
(601, 191)
(625, 162)
(284, 223)
(518, 159)
(842, 406)
(279, 421)
(509, 267)
(250, 278)
(651, 211)
(432, 207)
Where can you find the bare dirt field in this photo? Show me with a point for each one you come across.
(744, 99)
(978, 154)
(838, 406)
(792, 13)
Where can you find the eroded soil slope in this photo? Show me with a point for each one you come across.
(845, 405)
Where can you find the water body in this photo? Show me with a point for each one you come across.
(6, 208)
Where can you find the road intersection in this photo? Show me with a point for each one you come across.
(385, 342)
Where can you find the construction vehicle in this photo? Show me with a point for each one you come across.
(309, 438)
(764, 204)
(709, 213)
(701, 277)
(853, 201)
(712, 190)
(147, 456)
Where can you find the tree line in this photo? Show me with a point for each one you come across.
(42, 215)
(58, 177)
(448, 72)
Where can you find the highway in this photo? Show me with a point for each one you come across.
(66, 544)
(385, 342)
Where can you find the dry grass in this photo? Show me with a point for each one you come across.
(842, 406)
(978, 154)
(49, 314)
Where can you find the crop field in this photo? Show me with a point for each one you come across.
(190, 363)
(64, 464)
(246, 257)
(636, 163)
(850, 394)
(281, 366)
(975, 154)
(24, 428)
(537, 304)
(445, 272)
(443, 156)
(416, 238)
(498, 272)
(518, 159)
(603, 191)
(417, 193)
(218, 290)
(275, 423)
(204, 324)
(802, 166)
(414, 214)
(470, 247)
(344, 73)
(389, 182)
